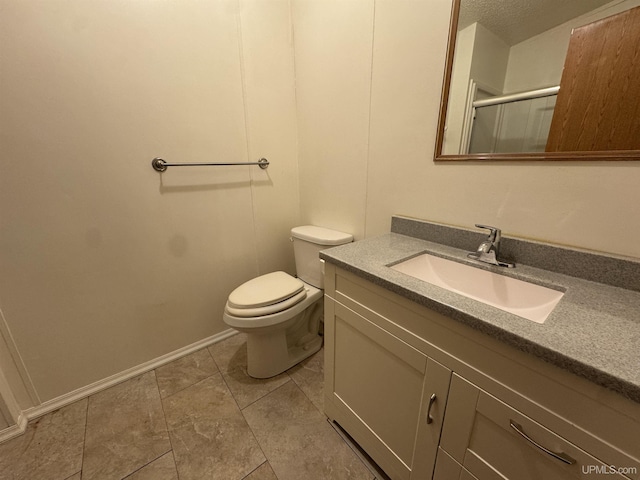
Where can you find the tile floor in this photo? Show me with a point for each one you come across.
(199, 417)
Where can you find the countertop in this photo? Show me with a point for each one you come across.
(593, 332)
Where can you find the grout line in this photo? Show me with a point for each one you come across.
(227, 383)
(266, 459)
(192, 385)
(268, 393)
(84, 438)
(73, 475)
(321, 351)
(164, 414)
(253, 434)
(214, 358)
(148, 463)
(251, 472)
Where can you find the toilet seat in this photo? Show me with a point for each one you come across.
(268, 309)
(265, 295)
(273, 321)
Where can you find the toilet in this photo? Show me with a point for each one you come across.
(281, 314)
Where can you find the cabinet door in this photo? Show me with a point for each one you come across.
(434, 401)
(448, 469)
(376, 390)
(494, 441)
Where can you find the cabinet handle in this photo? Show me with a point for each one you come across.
(432, 400)
(563, 457)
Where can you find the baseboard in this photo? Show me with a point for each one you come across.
(79, 394)
(14, 430)
(26, 388)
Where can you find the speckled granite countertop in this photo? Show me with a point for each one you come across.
(594, 331)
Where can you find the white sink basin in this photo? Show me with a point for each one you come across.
(524, 299)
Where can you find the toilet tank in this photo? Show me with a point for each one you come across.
(307, 243)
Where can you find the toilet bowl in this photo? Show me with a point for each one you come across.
(281, 314)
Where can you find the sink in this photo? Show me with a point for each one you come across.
(527, 300)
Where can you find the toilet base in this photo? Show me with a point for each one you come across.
(280, 358)
(271, 351)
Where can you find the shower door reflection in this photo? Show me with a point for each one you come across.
(512, 126)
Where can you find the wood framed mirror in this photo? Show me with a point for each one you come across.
(541, 80)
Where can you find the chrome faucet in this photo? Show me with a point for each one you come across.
(488, 250)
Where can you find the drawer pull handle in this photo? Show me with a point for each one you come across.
(432, 400)
(563, 457)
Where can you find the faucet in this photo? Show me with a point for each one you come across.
(488, 250)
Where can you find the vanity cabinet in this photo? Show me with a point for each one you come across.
(428, 397)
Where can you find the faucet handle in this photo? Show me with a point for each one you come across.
(488, 250)
(494, 233)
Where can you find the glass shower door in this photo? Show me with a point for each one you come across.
(515, 126)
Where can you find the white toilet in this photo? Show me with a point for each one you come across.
(281, 314)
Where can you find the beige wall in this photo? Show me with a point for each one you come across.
(587, 205)
(105, 263)
(333, 54)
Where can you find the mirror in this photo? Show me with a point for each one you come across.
(519, 86)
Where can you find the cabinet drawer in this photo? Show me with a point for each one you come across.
(493, 441)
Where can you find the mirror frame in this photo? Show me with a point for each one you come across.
(604, 155)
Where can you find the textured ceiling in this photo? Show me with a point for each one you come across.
(517, 20)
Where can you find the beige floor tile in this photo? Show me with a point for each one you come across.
(50, 448)
(127, 435)
(231, 357)
(263, 472)
(309, 376)
(298, 441)
(126, 429)
(164, 468)
(210, 438)
(184, 372)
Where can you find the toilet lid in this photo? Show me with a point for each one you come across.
(268, 309)
(265, 290)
